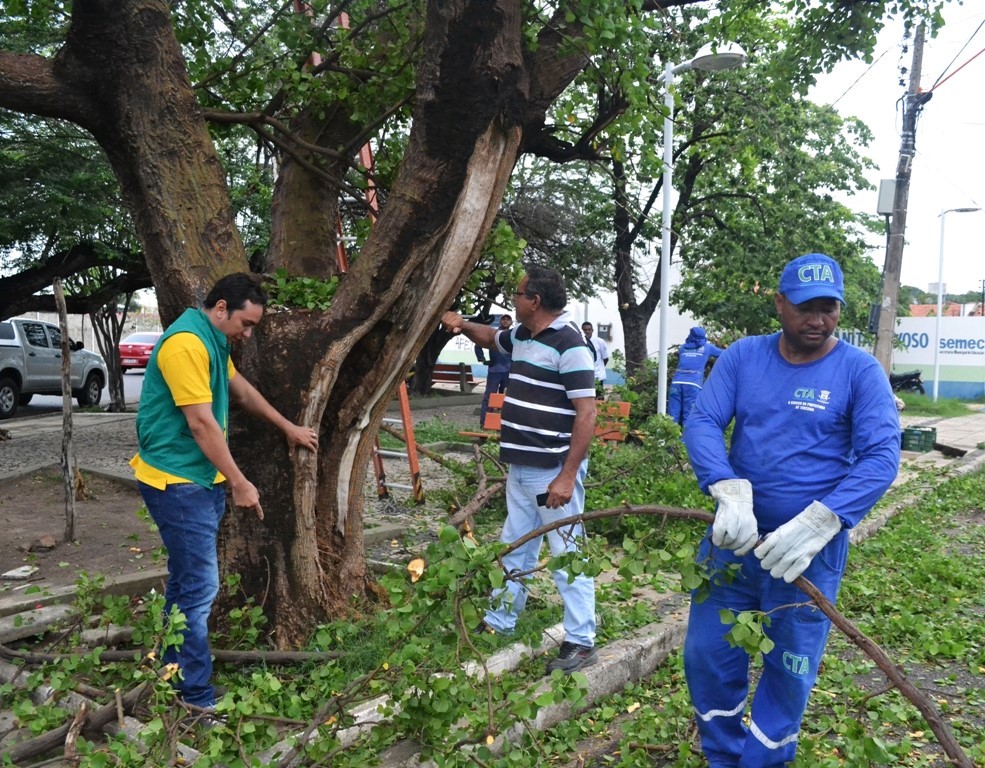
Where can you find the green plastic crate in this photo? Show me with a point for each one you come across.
(919, 439)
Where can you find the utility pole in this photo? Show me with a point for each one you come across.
(913, 103)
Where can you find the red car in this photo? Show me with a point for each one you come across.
(135, 349)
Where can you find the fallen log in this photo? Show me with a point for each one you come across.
(40, 745)
(139, 654)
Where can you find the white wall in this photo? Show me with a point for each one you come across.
(606, 310)
(960, 356)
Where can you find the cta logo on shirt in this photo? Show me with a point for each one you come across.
(810, 399)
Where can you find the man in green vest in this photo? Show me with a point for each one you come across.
(184, 466)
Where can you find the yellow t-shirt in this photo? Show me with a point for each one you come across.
(184, 364)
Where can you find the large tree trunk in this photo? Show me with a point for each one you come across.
(307, 559)
(123, 66)
(635, 314)
(422, 380)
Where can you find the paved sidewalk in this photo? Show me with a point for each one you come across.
(961, 433)
(103, 442)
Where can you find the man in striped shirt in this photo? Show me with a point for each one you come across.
(548, 420)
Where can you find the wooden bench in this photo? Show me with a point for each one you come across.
(611, 421)
(454, 373)
(492, 422)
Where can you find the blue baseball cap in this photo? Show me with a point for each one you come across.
(813, 276)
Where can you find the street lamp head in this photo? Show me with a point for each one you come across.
(960, 210)
(716, 58)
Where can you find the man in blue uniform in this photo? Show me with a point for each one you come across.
(693, 357)
(814, 446)
(548, 423)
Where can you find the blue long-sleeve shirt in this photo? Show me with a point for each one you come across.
(692, 359)
(825, 430)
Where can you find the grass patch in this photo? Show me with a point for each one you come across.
(924, 405)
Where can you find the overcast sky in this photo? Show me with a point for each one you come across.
(949, 168)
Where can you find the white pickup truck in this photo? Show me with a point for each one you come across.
(31, 364)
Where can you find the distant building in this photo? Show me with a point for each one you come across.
(949, 309)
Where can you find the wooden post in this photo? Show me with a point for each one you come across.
(68, 449)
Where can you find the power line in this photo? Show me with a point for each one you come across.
(945, 79)
(857, 79)
(940, 77)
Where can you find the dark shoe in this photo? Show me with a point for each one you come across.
(204, 719)
(572, 657)
(483, 629)
(209, 721)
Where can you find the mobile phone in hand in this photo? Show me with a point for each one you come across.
(542, 499)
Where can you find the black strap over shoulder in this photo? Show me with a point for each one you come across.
(588, 343)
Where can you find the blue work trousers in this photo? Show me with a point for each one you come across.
(523, 484)
(680, 401)
(718, 674)
(188, 515)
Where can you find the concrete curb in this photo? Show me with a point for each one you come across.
(621, 662)
(130, 584)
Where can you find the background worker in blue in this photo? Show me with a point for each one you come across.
(693, 357)
(498, 375)
(814, 446)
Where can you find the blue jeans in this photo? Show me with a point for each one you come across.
(523, 484)
(718, 674)
(188, 515)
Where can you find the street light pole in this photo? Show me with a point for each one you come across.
(727, 56)
(940, 298)
(668, 181)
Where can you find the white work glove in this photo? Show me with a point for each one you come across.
(735, 524)
(790, 548)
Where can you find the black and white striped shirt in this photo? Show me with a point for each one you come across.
(548, 372)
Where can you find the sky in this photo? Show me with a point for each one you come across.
(948, 170)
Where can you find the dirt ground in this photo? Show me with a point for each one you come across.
(110, 538)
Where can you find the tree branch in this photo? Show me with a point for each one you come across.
(29, 84)
(17, 292)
